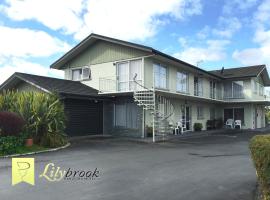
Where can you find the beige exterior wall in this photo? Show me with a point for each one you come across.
(98, 71)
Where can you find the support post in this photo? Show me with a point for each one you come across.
(154, 139)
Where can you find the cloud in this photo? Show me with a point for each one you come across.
(57, 15)
(125, 19)
(238, 5)
(23, 42)
(19, 65)
(19, 45)
(214, 51)
(227, 27)
(260, 54)
(129, 20)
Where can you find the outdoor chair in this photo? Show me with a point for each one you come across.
(229, 123)
(178, 128)
(237, 124)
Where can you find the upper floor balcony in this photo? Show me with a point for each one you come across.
(227, 91)
(117, 84)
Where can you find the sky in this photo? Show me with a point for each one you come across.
(211, 34)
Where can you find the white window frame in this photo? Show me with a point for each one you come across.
(200, 113)
(179, 84)
(213, 89)
(159, 86)
(198, 91)
(255, 87)
(129, 81)
(261, 89)
(232, 96)
(81, 75)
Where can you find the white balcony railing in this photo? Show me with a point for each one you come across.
(113, 84)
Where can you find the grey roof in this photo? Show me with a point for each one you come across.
(60, 86)
(250, 71)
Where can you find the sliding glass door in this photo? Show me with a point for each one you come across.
(126, 72)
(235, 114)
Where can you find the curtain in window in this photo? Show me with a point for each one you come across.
(238, 87)
(126, 115)
(212, 89)
(160, 76)
(198, 88)
(120, 115)
(76, 74)
(123, 76)
(228, 90)
(135, 68)
(182, 82)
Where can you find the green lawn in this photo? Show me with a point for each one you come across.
(24, 149)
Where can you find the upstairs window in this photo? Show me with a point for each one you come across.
(80, 74)
(182, 82)
(234, 89)
(160, 73)
(198, 87)
(261, 90)
(255, 87)
(212, 89)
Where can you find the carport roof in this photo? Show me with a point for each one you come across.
(48, 84)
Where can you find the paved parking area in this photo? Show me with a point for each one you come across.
(213, 167)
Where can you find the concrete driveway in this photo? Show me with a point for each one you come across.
(213, 167)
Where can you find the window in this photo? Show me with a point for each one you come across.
(126, 71)
(235, 114)
(261, 90)
(198, 88)
(212, 89)
(234, 89)
(80, 74)
(160, 73)
(126, 115)
(200, 112)
(238, 88)
(212, 113)
(255, 88)
(182, 82)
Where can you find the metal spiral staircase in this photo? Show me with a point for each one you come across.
(160, 108)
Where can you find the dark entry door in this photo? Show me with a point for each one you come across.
(85, 117)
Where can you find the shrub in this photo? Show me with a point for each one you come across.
(149, 131)
(43, 113)
(260, 153)
(198, 126)
(10, 123)
(10, 144)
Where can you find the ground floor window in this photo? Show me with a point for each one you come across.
(200, 112)
(235, 114)
(125, 115)
(212, 113)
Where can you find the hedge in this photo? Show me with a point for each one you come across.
(260, 153)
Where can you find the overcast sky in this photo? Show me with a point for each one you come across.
(231, 33)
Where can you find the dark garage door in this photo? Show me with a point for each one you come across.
(85, 117)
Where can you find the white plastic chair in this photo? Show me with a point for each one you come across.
(230, 123)
(238, 123)
(178, 127)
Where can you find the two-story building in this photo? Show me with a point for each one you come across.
(145, 90)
